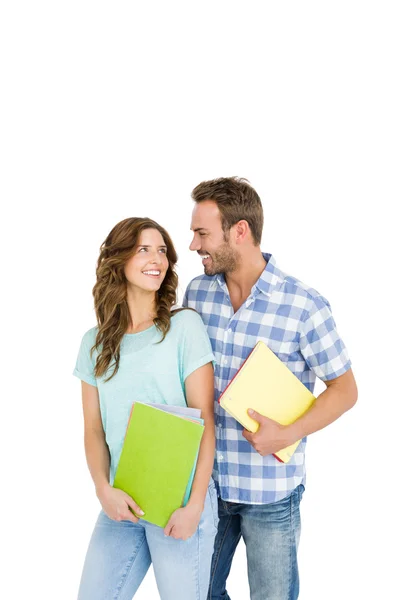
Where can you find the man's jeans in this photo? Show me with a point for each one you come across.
(120, 554)
(271, 533)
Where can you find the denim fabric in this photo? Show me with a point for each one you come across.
(120, 554)
(271, 533)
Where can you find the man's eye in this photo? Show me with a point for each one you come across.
(201, 234)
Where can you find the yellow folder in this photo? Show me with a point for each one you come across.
(265, 384)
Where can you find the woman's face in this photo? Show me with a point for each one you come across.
(148, 266)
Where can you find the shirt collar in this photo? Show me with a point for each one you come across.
(269, 279)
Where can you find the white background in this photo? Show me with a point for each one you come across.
(111, 110)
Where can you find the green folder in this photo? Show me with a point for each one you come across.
(156, 461)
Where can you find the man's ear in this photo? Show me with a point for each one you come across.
(242, 231)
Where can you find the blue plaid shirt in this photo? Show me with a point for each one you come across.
(296, 322)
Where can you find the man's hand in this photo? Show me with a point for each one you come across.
(270, 437)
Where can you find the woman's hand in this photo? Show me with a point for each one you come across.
(183, 522)
(117, 504)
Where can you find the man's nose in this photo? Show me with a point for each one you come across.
(195, 244)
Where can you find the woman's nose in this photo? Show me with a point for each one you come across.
(156, 258)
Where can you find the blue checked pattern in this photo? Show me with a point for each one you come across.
(296, 322)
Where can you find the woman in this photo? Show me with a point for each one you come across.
(142, 350)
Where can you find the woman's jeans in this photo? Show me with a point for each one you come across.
(120, 553)
(271, 533)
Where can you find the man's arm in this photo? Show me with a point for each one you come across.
(339, 396)
(185, 298)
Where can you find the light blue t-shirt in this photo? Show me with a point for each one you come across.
(148, 372)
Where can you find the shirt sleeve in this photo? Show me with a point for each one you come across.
(85, 363)
(320, 344)
(195, 347)
(185, 298)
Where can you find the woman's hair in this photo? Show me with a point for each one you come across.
(110, 290)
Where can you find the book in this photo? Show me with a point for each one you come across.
(157, 460)
(265, 384)
(175, 409)
(186, 412)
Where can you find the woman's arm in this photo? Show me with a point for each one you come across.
(199, 387)
(200, 394)
(96, 449)
(116, 503)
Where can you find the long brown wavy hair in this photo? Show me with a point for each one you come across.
(110, 290)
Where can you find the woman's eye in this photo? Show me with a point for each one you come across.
(163, 250)
(141, 249)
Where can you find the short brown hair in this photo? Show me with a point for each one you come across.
(236, 200)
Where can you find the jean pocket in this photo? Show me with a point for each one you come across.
(212, 494)
(300, 491)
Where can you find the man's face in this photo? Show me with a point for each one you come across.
(218, 255)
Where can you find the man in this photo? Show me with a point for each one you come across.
(244, 297)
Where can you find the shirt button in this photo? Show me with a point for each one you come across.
(219, 424)
(220, 457)
(225, 361)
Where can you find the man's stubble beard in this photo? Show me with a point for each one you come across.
(224, 260)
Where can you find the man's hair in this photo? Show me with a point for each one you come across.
(236, 200)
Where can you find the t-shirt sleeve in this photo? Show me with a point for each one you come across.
(320, 344)
(195, 346)
(85, 363)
